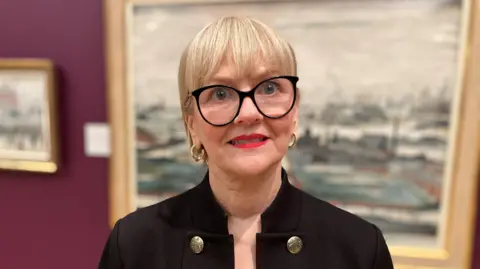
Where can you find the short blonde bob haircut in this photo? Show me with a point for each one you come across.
(243, 41)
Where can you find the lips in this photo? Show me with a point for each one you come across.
(249, 141)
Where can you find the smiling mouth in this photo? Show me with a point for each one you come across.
(236, 142)
(246, 142)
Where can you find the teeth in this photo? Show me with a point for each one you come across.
(240, 142)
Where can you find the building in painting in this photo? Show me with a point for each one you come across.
(8, 99)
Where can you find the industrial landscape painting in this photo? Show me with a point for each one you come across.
(24, 117)
(378, 83)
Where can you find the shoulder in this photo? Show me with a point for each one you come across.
(146, 225)
(159, 215)
(332, 218)
(134, 236)
(344, 231)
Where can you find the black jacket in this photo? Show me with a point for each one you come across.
(159, 236)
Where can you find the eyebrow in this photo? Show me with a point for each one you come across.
(258, 76)
(224, 80)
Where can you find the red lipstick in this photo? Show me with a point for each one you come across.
(249, 141)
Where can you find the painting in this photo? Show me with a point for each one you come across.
(27, 125)
(383, 90)
(371, 139)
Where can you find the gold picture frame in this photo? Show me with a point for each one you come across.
(28, 104)
(458, 230)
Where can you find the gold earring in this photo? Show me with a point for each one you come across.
(293, 141)
(197, 155)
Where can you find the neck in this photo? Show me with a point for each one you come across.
(245, 196)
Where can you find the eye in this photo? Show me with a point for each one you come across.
(217, 95)
(220, 94)
(269, 87)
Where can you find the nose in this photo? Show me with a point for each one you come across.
(248, 113)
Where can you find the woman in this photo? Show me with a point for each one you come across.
(237, 83)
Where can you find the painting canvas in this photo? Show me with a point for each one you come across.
(378, 83)
(24, 126)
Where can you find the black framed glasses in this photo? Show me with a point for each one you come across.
(274, 98)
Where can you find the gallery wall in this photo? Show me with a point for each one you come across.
(476, 250)
(58, 221)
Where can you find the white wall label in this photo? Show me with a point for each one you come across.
(97, 139)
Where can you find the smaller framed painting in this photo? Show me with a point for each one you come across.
(28, 124)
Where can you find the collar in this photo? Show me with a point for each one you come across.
(282, 215)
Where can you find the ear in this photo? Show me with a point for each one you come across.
(296, 111)
(296, 117)
(297, 98)
(191, 130)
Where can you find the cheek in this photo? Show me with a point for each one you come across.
(282, 128)
(208, 134)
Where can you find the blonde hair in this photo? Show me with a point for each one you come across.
(241, 40)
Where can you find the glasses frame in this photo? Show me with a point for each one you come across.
(242, 95)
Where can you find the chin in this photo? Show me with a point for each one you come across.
(251, 165)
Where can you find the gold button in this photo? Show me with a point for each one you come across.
(294, 244)
(196, 244)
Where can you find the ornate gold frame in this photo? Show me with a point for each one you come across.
(457, 251)
(51, 165)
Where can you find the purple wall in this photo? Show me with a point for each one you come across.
(58, 221)
(476, 250)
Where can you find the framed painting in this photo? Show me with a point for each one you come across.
(28, 118)
(390, 129)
